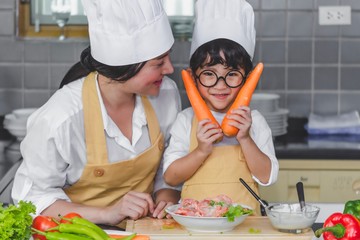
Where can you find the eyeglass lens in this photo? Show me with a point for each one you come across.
(209, 78)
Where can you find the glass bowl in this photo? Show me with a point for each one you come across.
(288, 217)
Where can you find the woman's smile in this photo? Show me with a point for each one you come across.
(158, 83)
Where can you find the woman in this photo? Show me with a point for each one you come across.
(95, 147)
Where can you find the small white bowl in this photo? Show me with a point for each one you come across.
(19, 133)
(265, 102)
(23, 112)
(12, 121)
(288, 217)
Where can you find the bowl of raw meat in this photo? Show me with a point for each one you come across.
(217, 214)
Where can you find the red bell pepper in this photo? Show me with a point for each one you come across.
(339, 226)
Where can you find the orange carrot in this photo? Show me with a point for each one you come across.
(137, 237)
(197, 102)
(243, 98)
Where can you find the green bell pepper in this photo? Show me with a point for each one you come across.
(353, 207)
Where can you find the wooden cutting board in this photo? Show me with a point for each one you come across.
(253, 228)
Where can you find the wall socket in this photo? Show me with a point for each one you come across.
(334, 15)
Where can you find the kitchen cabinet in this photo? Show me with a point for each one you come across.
(325, 180)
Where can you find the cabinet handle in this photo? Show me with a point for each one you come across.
(356, 187)
(304, 179)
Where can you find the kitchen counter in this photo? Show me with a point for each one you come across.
(155, 228)
(297, 144)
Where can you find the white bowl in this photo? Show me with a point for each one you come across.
(205, 224)
(265, 102)
(288, 217)
(19, 133)
(23, 112)
(11, 121)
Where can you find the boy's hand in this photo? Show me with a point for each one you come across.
(241, 119)
(207, 133)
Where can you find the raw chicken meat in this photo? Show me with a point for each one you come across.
(209, 207)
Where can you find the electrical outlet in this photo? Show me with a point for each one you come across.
(334, 15)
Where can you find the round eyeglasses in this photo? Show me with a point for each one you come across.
(232, 79)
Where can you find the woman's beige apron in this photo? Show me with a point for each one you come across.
(103, 183)
(220, 174)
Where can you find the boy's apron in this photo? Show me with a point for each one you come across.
(103, 183)
(220, 174)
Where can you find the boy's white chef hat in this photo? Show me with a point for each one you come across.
(124, 32)
(230, 19)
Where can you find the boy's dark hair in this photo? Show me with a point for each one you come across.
(88, 64)
(235, 55)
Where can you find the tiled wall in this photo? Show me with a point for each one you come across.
(314, 68)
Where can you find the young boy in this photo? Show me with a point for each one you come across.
(222, 47)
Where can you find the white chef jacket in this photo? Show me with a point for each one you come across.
(54, 148)
(260, 132)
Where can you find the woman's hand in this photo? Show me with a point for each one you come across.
(159, 211)
(164, 198)
(133, 205)
(207, 133)
(241, 119)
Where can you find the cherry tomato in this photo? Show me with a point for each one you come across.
(69, 216)
(42, 223)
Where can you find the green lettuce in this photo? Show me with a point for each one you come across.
(236, 211)
(15, 221)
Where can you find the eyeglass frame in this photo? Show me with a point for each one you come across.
(218, 78)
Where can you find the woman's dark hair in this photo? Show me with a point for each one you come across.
(88, 64)
(235, 55)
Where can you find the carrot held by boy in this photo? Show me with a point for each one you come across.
(243, 98)
(197, 102)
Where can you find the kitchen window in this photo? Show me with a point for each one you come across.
(47, 19)
(57, 18)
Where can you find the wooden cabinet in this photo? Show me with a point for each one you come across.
(327, 181)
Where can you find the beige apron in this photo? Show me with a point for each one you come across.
(103, 183)
(220, 174)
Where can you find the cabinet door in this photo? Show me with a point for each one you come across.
(284, 190)
(340, 186)
(311, 182)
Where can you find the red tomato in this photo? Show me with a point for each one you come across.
(42, 223)
(69, 216)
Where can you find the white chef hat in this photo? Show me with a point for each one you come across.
(125, 32)
(230, 19)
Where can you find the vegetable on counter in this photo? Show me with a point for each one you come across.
(42, 224)
(71, 227)
(78, 229)
(75, 218)
(243, 98)
(130, 237)
(16, 220)
(339, 226)
(353, 207)
(60, 236)
(68, 216)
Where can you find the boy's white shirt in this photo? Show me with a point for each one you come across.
(260, 132)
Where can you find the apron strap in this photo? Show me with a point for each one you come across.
(153, 123)
(193, 139)
(96, 150)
